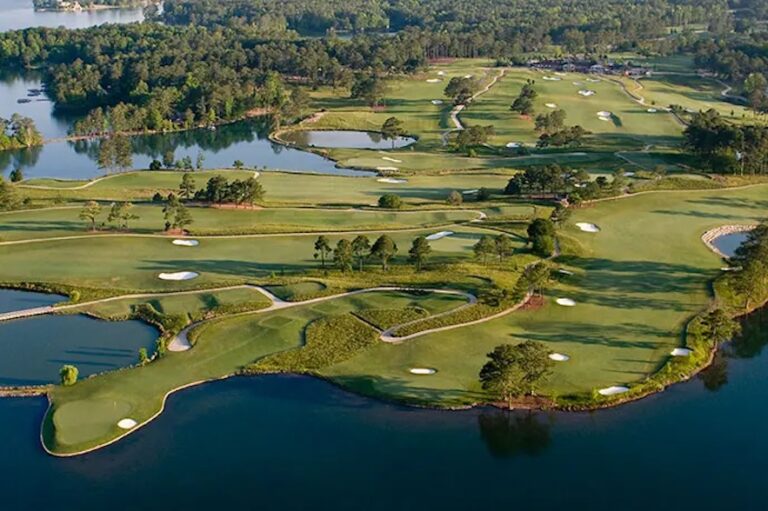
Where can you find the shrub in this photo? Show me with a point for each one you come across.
(390, 201)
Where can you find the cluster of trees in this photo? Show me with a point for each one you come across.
(119, 214)
(346, 253)
(392, 129)
(523, 103)
(572, 136)
(461, 89)
(541, 236)
(175, 214)
(750, 262)
(500, 246)
(556, 181)
(18, 132)
(219, 190)
(516, 370)
(551, 122)
(726, 147)
(472, 137)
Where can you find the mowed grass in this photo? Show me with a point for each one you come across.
(85, 415)
(57, 222)
(630, 126)
(188, 304)
(285, 188)
(133, 263)
(636, 284)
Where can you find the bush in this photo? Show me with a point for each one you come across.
(390, 201)
(68, 375)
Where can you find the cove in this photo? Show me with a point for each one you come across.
(13, 300)
(298, 443)
(33, 350)
(20, 14)
(344, 139)
(728, 243)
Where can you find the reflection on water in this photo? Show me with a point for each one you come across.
(345, 139)
(509, 434)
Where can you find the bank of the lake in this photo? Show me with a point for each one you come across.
(301, 432)
(21, 14)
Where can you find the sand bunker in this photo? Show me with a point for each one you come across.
(559, 357)
(552, 78)
(564, 272)
(439, 235)
(433, 80)
(391, 169)
(422, 370)
(680, 352)
(559, 73)
(587, 227)
(467, 76)
(612, 391)
(441, 73)
(593, 80)
(126, 424)
(651, 110)
(392, 180)
(587, 92)
(470, 192)
(179, 275)
(550, 105)
(387, 158)
(604, 113)
(437, 101)
(565, 302)
(513, 145)
(186, 243)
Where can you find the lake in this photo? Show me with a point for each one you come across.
(20, 14)
(345, 139)
(728, 243)
(299, 443)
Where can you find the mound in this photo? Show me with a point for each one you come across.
(422, 370)
(387, 158)
(186, 243)
(552, 79)
(565, 302)
(441, 73)
(387, 168)
(439, 235)
(587, 227)
(433, 80)
(392, 180)
(513, 145)
(180, 275)
(612, 391)
(126, 423)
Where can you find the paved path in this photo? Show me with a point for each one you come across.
(456, 110)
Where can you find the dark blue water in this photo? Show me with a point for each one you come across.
(728, 243)
(33, 350)
(297, 443)
(12, 300)
(19, 14)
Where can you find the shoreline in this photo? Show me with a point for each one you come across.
(711, 235)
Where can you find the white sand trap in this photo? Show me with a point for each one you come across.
(564, 272)
(651, 110)
(593, 80)
(559, 357)
(179, 275)
(467, 76)
(433, 80)
(422, 370)
(587, 227)
(550, 105)
(441, 73)
(604, 113)
(587, 92)
(387, 158)
(470, 192)
(126, 423)
(612, 391)
(552, 78)
(439, 235)
(629, 174)
(390, 169)
(392, 180)
(565, 302)
(607, 119)
(513, 145)
(437, 101)
(680, 352)
(186, 243)
(559, 73)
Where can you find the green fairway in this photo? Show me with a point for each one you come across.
(630, 125)
(86, 415)
(636, 284)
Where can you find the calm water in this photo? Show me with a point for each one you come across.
(19, 14)
(12, 300)
(345, 139)
(299, 443)
(728, 243)
(245, 141)
(33, 350)
(15, 86)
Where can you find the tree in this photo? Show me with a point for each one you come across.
(343, 255)
(9, 199)
(543, 246)
(90, 212)
(169, 159)
(504, 246)
(541, 234)
(484, 247)
(720, 327)
(371, 89)
(143, 356)
(238, 164)
(182, 218)
(17, 175)
(513, 371)
(560, 215)
(392, 129)
(461, 89)
(122, 213)
(534, 279)
(455, 198)
(187, 186)
(322, 249)
(360, 247)
(419, 251)
(390, 201)
(200, 161)
(384, 249)
(68, 375)
(155, 165)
